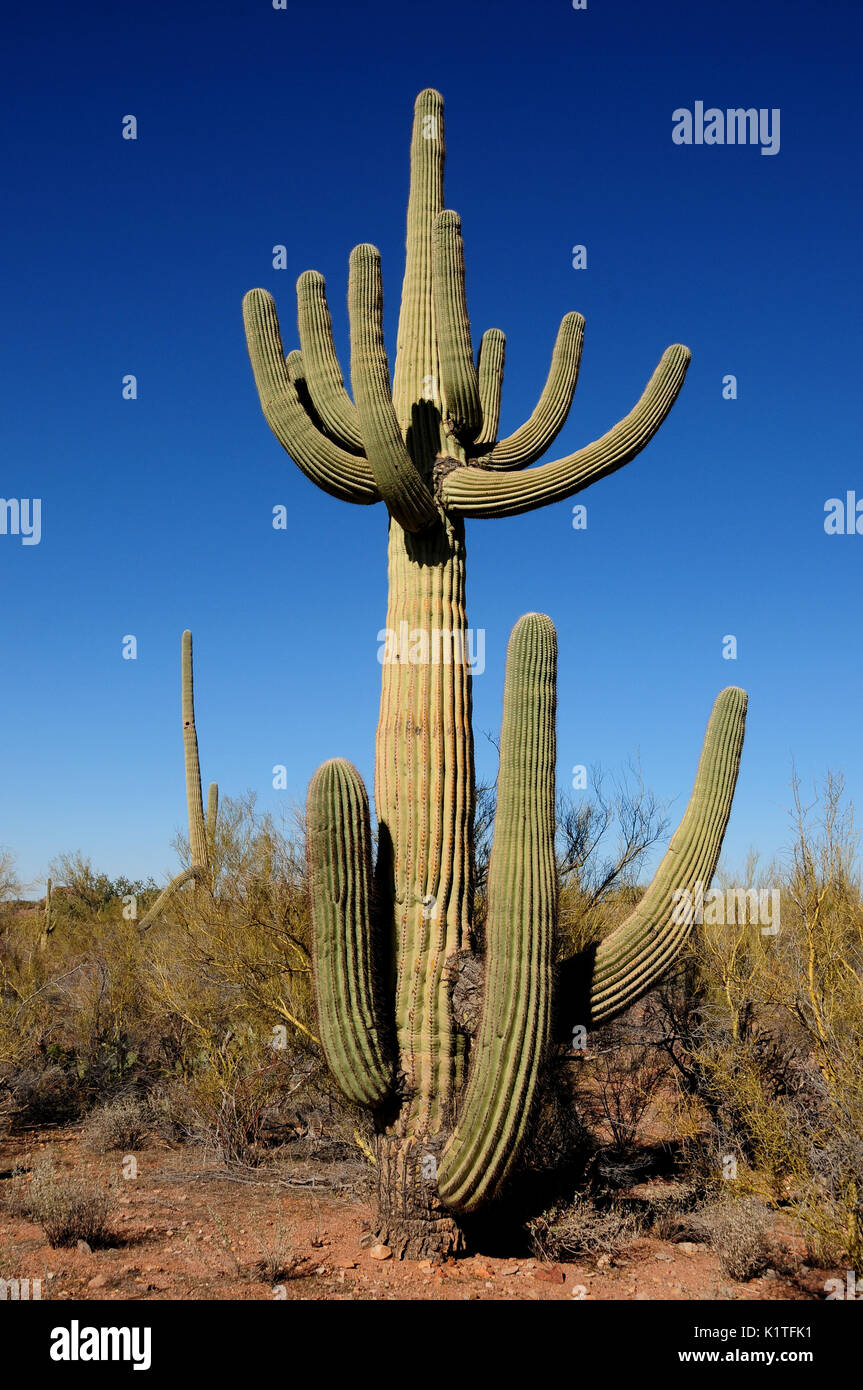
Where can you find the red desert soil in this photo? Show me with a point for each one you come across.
(188, 1231)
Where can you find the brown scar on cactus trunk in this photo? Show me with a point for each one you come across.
(443, 1046)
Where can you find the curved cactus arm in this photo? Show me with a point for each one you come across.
(212, 818)
(539, 432)
(337, 472)
(321, 369)
(522, 895)
(403, 489)
(194, 795)
(349, 1015)
(489, 368)
(478, 492)
(166, 895)
(297, 375)
(601, 982)
(459, 386)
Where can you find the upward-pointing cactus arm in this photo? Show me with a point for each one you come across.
(459, 384)
(167, 893)
(489, 368)
(522, 893)
(212, 818)
(477, 492)
(399, 483)
(341, 474)
(539, 432)
(349, 1015)
(321, 369)
(602, 981)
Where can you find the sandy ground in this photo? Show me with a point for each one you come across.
(186, 1230)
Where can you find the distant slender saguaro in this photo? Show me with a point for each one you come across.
(451, 1110)
(202, 832)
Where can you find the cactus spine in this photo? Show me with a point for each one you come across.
(425, 444)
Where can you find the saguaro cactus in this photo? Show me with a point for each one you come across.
(451, 1110)
(202, 831)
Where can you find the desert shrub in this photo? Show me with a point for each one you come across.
(278, 1259)
(68, 1207)
(739, 1232)
(558, 1137)
(581, 1228)
(122, 1124)
(40, 1096)
(627, 1070)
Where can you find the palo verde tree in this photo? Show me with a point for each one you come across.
(389, 943)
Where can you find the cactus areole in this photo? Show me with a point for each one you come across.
(388, 943)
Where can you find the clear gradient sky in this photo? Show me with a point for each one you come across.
(259, 126)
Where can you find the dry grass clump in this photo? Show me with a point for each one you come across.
(69, 1207)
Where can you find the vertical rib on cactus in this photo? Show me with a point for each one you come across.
(349, 1016)
(522, 901)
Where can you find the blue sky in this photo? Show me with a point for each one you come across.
(257, 127)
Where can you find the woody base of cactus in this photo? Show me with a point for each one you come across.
(410, 1218)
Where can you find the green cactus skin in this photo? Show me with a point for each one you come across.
(194, 797)
(212, 820)
(339, 846)
(490, 363)
(425, 444)
(522, 903)
(201, 831)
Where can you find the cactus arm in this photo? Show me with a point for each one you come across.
(212, 818)
(321, 369)
(492, 352)
(539, 432)
(405, 492)
(337, 472)
(340, 875)
(194, 796)
(416, 371)
(477, 492)
(167, 893)
(601, 982)
(522, 895)
(458, 385)
(296, 368)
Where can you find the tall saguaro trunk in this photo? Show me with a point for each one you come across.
(424, 797)
(424, 773)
